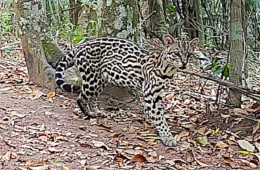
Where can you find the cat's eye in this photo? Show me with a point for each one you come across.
(172, 57)
(177, 53)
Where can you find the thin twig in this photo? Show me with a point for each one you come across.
(248, 92)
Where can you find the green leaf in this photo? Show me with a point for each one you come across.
(56, 160)
(212, 66)
(77, 39)
(171, 9)
(226, 70)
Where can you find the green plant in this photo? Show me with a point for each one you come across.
(219, 67)
(171, 9)
(72, 33)
(5, 23)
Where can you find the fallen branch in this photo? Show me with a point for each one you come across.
(198, 96)
(248, 92)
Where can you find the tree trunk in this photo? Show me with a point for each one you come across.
(74, 12)
(112, 18)
(37, 43)
(157, 20)
(236, 50)
(200, 22)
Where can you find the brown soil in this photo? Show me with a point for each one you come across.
(43, 134)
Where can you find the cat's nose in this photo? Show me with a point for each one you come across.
(184, 65)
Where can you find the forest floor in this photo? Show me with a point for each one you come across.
(40, 131)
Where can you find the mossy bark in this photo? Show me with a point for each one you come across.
(52, 52)
(37, 43)
(115, 18)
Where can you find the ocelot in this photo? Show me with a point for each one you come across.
(123, 63)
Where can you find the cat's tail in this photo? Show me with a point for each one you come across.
(66, 62)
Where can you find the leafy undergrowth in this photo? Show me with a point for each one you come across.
(41, 131)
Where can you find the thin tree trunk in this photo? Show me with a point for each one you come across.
(236, 50)
(200, 22)
(157, 20)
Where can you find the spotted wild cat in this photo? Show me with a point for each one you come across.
(123, 63)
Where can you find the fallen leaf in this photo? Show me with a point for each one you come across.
(170, 96)
(84, 128)
(198, 161)
(139, 158)
(153, 153)
(104, 127)
(203, 140)
(188, 126)
(50, 95)
(216, 131)
(25, 89)
(54, 150)
(95, 167)
(84, 143)
(14, 155)
(184, 134)
(255, 106)
(43, 138)
(44, 167)
(144, 132)
(36, 94)
(6, 156)
(257, 155)
(129, 151)
(252, 165)
(257, 146)
(257, 137)
(225, 115)
(93, 121)
(83, 162)
(100, 145)
(153, 157)
(5, 89)
(190, 140)
(19, 128)
(202, 130)
(187, 102)
(47, 113)
(14, 113)
(221, 145)
(239, 111)
(243, 152)
(229, 161)
(120, 158)
(171, 162)
(124, 129)
(246, 145)
(2, 126)
(42, 128)
(114, 135)
(256, 127)
(65, 168)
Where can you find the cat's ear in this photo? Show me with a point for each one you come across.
(168, 40)
(194, 43)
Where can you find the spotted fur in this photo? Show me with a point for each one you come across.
(123, 63)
